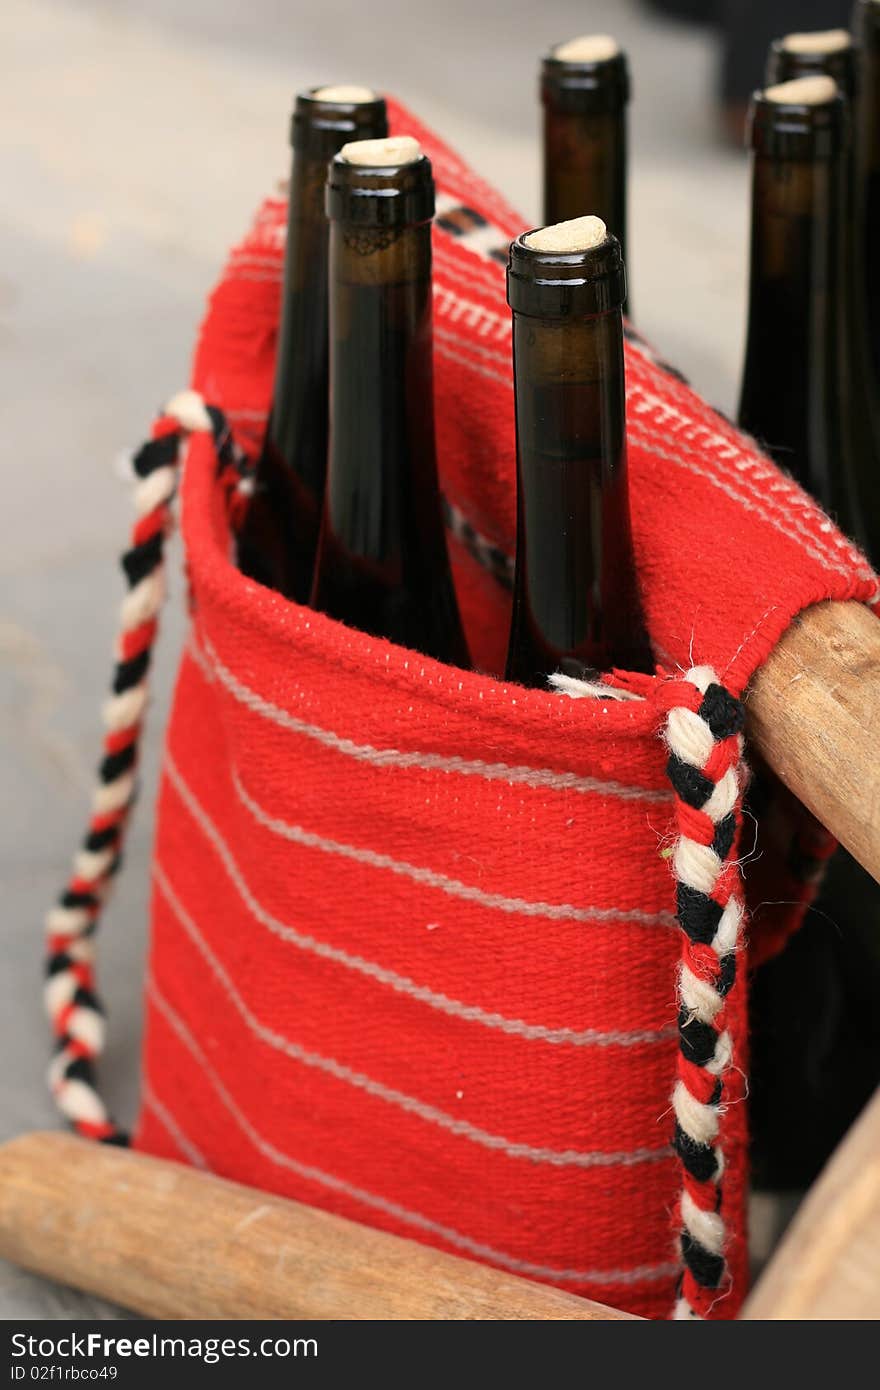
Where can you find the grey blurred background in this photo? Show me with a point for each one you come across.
(135, 139)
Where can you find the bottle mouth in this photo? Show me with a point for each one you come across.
(345, 93)
(801, 120)
(379, 193)
(547, 281)
(820, 41)
(837, 61)
(589, 75)
(322, 121)
(392, 152)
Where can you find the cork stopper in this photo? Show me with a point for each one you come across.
(350, 95)
(578, 234)
(589, 48)
(803, 91)
(820, 41)
(377, 154)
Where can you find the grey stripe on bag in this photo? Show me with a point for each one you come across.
(652, 1273)
(559, 1158)
(499, 902)
(544, 779)
(191, 1153)
(470, 1013)
(401, 983)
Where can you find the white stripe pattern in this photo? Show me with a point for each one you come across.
(774, 499)
(476, 316)
(431, 1114)
(193, 1155)
(488, 276)
(498, 902)
(401, 984)
(442, 349)
(752, 499)
(481, 239)
(212, 667)
(651, 1273)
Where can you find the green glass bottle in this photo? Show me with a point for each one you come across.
(576, 605)
(382, 561)
(278, 540)
(832, 54)
(585, 89)
(795, 395)
(814, 1045)
(866, 30)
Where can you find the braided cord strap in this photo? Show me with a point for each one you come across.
(72, 1003)
(703, 731)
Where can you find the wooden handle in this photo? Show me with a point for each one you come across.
(814, 715)
(828, 1264)
(170, 1242)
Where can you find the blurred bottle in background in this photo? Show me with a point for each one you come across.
(795, 395)
(585, 89)
(815, 1044)
(746, 29)
(866, 28)
(832, 53)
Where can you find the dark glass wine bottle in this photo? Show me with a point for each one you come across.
(382, 562)
(866, 29)
(795, 396)
(585, 88)
(576, 606)
(814, 1045)
(831, 53)
(279, 537)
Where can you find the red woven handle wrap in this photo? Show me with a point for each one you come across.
(414, 954)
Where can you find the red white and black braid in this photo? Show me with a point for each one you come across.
(73, 1006)
(704, 734)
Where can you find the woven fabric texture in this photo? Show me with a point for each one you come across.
(415, 956)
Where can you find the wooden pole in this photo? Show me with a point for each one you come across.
(170, 1242)
(814, 715)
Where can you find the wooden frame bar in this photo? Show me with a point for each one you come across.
(171, 1242)
(814, 715)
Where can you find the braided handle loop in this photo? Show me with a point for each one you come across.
(73, 1006)
(703, 732)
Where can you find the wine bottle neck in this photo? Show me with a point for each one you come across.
(790, 396)
(382, 541)
(382, 423)
(580, 363)
(575, 604)
(304, 294)
(585, 157)
(868, 102)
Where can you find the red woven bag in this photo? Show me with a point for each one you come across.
(444, 955)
